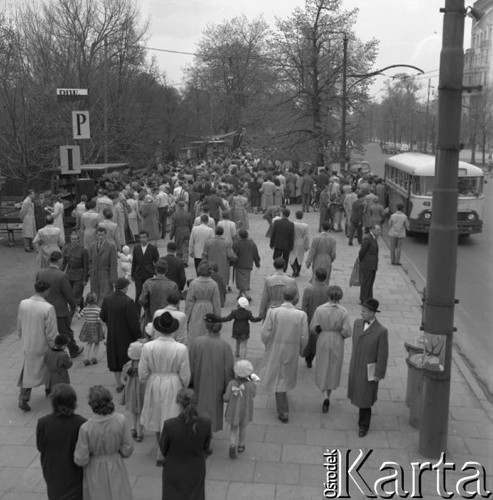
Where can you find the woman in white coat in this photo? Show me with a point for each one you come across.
(58, 211)
(165, 368)
(332, 325)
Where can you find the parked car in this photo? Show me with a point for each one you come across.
(404, 148)
(357, 165)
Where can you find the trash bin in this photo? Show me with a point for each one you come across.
(415, 387)
(411, 350)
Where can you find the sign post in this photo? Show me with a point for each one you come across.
(71, 94)
(70, 160)
(80, 125)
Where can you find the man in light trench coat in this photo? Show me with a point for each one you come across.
(368, 362)
(284, 334)
(37, 329)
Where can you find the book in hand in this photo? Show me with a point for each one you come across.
(370, 371)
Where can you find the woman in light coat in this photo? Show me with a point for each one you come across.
(88, 223)
(332, 325)
(165, 368)
(202, 298)
(58, 211)
(28, 221)
(104, 441)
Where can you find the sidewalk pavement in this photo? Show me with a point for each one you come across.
(281, 461)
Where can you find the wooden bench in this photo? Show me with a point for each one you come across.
(10, 225)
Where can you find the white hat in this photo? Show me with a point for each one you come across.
(243, 368)
(243, 302)
(135, 350)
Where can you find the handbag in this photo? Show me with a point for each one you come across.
(354, 278)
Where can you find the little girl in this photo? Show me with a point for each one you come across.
(239, 410)
(125, 259)
(133, 394)
(92, 330)
(241, 326)
(57, 364)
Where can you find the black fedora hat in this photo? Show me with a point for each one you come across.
(166, 323)
(371, 305)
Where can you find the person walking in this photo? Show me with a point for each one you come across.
(274, 285)
(89, 221)
(180, 227)
(156, 290)
(314, 295)
(120, 315)
(357, 213)
(220, 252)
(247, 254)
(58, 212)
(75, 264)
(162, 202)
(185, 444)
(332, 326)
(282, 237)
(347, 205)
(398, 225)
(239, 410)
(40, 211)
(144, 258)
(368, 362)
(211, 366)
(62, 298)
(165, 369)
(202, 298)
(92, 329)
(28, 221)
(229, 227)
(57, 364)
(150, 218)
(368, 263)
(284, 334)
(176, 266)
(215, 204)
(103, 265)
(104, 441)
(112, 229)
(306, 191)
(47, 240)
(56, 437)
(322, 252)
(37, 329)
(267, 190)
(301, 244)
(198, 237)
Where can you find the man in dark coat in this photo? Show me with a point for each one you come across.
(181, 225)
(247, 252)
(368, 362)
(76, 266)
(282, 237)
(215, 203)
(62, 299)
(120, 315)
(156, 291)
(356, 219)
(176, 267)
(145, 256)
(368, 263)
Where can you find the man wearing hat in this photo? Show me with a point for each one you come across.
(368, 362)
(119, 313)
(368, 263)
(37, 329)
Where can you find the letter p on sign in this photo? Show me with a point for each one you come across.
(80, 125)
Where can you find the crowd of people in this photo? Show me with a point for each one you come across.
(173, 371)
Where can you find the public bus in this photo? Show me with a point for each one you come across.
(410, 179)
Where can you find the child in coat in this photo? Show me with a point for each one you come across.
(239, 410)
(241, 326)
(134, 390)
(57, 363)
(125, 260)
(92, 330)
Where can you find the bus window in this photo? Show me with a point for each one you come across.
(470, 186)
(427, 185)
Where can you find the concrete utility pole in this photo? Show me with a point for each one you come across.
(342, 147)
(442, 248)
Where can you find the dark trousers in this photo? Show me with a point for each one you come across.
(358, 228)
(364, 418)
(163, 220)
(78, 289)
(25, 395)
(305, 201)
(197, 262)
(279, 252)
(63, 325)
(366, 279)
(139, 283)
(282, 404)
(296, 266)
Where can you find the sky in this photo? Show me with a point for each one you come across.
(409, 31)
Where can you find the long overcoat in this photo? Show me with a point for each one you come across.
(284, 334)
(272, 293)
(218, 250)
(370, 346)
(120, 315)
(301, 242)
(28, 220)
(47, 240)
(103, 269)
(155, 293)
(211, 364)
(202, 298)
(37, 329)
(267, 189)
(322, 253)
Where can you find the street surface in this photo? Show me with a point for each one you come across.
(474, 281)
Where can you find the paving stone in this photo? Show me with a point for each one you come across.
(246, 491)
(284, 492)
(302, 454)
(19, 478)
(147, 487)
(225, 469)
(285, 434)
(17, 456)
(480, 447)
(326, 437)
(276, 473)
